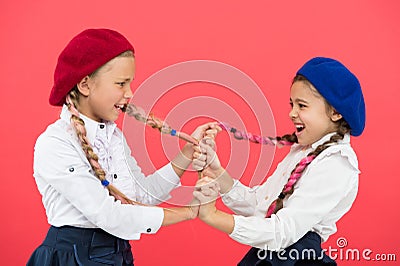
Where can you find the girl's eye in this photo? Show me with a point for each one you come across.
(121, 84)
(291, 104)
(301, 105)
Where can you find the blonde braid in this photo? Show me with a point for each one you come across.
(79, 125)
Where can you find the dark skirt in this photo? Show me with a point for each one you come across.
(306, 251)
(73, 246)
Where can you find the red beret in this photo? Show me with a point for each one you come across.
(84, 54)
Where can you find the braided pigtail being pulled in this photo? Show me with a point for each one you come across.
(79, 126)
(285, 140)
(297, 172)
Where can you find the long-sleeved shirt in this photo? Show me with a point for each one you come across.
(324, 193)
(72, 194)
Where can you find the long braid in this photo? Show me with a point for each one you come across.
(139, 114)
(79, 125)
(285, 140)
(297, 172)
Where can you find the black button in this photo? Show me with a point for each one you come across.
(71, 169)
(115, 176)
(101, 126)
(148, 230)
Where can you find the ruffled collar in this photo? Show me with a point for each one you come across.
(345, 140)
(93, 128)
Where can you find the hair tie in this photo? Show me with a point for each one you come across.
(105, 182)
(150, 120)
(282, 196)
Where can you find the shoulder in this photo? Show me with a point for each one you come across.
(342, 152)
(57, 134)
(335, 168)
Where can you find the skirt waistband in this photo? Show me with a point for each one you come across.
(72, 246)
(65, 237)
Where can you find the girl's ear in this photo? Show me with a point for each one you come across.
(83, 86)
(335, 116)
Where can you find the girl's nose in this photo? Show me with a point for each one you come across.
(293, 113)
(128, 93)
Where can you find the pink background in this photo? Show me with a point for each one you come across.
(268, 40)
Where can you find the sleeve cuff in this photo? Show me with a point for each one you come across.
(255, 232)
(235, 227)
(152, 220)
(239, 232)
(235, 194)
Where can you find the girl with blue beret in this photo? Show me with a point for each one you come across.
(286, 219)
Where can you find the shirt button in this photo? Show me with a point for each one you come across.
(101, 126)
(148, 230)
(71, 169)
(115, 176)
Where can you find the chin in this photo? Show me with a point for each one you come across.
(113, 119)
(110, 118)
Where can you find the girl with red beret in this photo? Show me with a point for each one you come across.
(90, 184)
(285, 219)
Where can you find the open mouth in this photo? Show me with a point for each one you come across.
(299, 128)
(121, 107)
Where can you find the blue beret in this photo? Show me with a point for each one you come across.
(339, 87)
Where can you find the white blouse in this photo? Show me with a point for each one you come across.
(72, 195)
(324, 193)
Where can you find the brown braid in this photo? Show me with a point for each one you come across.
(79, 126)
(343, 128)
(292, 138)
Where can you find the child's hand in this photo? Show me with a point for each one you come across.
(205, 156)
(206, 191)
(185, 157)
(209, 130)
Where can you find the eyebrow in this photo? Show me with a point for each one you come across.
(124, 79)
(299, 100)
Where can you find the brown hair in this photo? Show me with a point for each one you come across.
(342, 128)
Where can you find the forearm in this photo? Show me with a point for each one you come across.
(182, 161)
(220, 220)
(176, 215)
(224, 179)
(206, 193)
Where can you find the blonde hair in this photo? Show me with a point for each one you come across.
(128, 53)
(72, 101)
